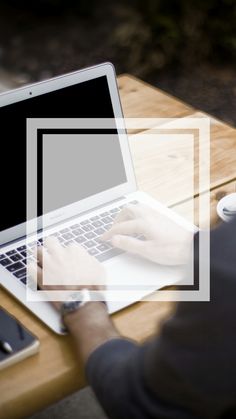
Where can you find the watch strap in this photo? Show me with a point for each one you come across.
(84, 296)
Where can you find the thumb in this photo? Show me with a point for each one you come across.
(129, 244)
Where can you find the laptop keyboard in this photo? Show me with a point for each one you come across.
(86, 233)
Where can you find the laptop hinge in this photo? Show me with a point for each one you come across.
(64, 221)
(84, 213)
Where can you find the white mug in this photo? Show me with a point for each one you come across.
(229, 201)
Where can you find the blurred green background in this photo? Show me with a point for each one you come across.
(187, 48)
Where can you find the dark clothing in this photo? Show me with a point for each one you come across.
(190, 370)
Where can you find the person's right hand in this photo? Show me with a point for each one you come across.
(165, 242)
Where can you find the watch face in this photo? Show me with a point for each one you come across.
(70, 306)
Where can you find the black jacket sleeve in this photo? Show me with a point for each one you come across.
(190, 370)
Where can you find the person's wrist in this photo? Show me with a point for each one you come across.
(90, 327)
(85, 314)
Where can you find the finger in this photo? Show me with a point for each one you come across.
(35, 272)
(42, 256)
(123, 215)
(129, 244)
(127, 213)
(132, 211)
(35, 251)
(53, 246)
(32, 270)
(127, 227)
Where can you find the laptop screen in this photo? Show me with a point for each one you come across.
(81, 166)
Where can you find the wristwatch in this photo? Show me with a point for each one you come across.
(79, 299)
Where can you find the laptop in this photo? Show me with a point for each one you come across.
(88, 210)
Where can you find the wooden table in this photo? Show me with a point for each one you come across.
(54, 373)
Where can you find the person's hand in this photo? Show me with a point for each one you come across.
(91, 325)
(164, 242)
(66, 268)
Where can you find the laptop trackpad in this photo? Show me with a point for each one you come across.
(130, 278)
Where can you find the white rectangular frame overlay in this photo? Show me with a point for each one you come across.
(203, 127)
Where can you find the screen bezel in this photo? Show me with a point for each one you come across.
(26, 93)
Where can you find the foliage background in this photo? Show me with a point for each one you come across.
(186, 47)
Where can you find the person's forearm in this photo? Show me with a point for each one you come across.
(90, 327)
(112, 365)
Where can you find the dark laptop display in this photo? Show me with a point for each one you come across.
(90, 99)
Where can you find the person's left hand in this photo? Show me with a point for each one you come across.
(66, 268)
